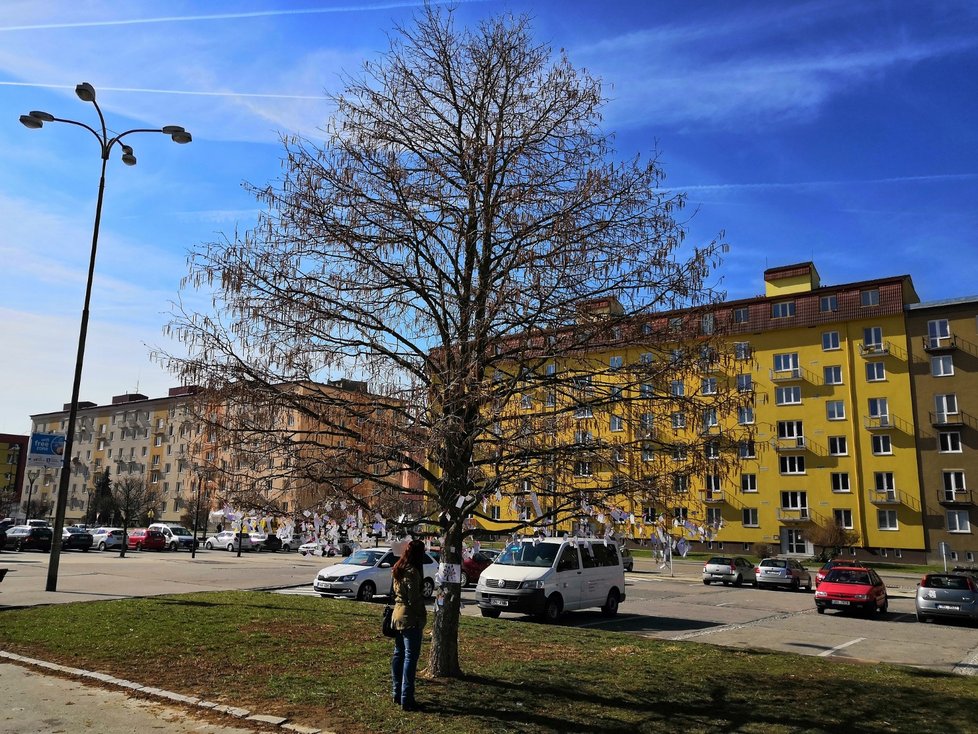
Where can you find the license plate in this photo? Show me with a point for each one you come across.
(499, 602)
(718, 575)
(840, 602)
(949, 607)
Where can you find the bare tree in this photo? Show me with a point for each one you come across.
(463, 241)
(829, 535)
(134, 498)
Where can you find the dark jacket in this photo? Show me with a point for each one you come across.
(409, 608)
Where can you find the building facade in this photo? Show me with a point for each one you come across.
(13, 460)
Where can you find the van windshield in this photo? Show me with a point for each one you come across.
(529, 554)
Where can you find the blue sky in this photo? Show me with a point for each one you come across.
(839, 132)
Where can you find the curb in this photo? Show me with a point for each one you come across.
(163, 695)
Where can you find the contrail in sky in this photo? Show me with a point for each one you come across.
(222, 16)
(170, 91)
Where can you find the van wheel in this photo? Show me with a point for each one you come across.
(553, 609)
(367, 591)
(610, 608)
(491, 613)
(706, 582)
(427, 589)
(173, 547)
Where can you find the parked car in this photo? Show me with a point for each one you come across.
(952, 595)
(229, 539)
(73, 538)
(367, 573)
(729, 570)
(267, 542)
(25, 537)
(473, 566)
(106, 538)
(324, 548)
(782, 572)
(850, 588)
(829, 565)
(290, 542)
(177, 536)
(627, 559)
(145, 539)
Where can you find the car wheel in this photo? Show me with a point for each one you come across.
(85, 550)
(230, 547)
(331, 553)
(491, 613)
(725, 583)
(286, 547)
(553, 609)
(367, 591)
(706, 582)
(464, 579)
(739, 581)
(922, 618)
(886, 606)
(101, 546)
(173, 547)
(610, 608)
(820, 610)
(19, 547)
(208, 545)
(139, 546)
(428, 589)
(795, 584)
(808, 586)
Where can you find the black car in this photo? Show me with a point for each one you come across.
(25, 537)
(73, 538)
(271, 543)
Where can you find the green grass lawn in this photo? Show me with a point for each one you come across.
(324, 663)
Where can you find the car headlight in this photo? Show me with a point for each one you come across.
(349, 577)
(821, 594)
(860, 597)
(538, 584)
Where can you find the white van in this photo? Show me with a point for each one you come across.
(546, 576)
(177, 536)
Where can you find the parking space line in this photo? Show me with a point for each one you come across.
(830, 651)
(608, 620)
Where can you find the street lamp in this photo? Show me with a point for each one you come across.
(35, 120)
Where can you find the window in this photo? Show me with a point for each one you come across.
(950, 442)
(869, 297)
(838, 446)
(550, 398)
(795, 501)
(746, 450)
(833, 375)
(526, 402)
(879, 408)
(840, 481)
(582, 469)
(711, 450)
(616, 362)
(748, 482)
(615, 392)
(677, 389)
(648, 452)
(787, 362)
(883, 480)
(887, 520)
(709, 417)
(101, 445)
(745, 415)
(714, 516)
(617, 423)
(680, 483)
(646, 329)
(875, 372)
(550, 370)
(583, 437)
(713, 483)
(843, 518)
(741, 350)
(741, 315)
(156, 460)
(745, 383)
(958, 522)
(583, 411)
(678, 420)
(873, 337)
(787, 395)
(882, 446)
(828, 303)
(750, 517)
(782, 310)
(938, 332)
(791, 464)
(709, 386)
(646, 390)
(945, 405)
(835, 410)
(679, 453)
(154, 478)
(791, 429)
(953, 482)
(830, 340)
(707, 323)
(942, 366)
(619, 453)
(646, 422)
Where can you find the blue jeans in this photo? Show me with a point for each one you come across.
(404, 662)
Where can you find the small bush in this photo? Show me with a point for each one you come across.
(762, 550)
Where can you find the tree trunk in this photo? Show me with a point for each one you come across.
(443, 658)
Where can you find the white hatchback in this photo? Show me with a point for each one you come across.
(367, 573)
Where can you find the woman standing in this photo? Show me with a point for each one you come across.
(409, 619)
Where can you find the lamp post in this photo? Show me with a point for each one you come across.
(35, 120)
(32, 475)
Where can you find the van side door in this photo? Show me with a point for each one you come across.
(569, 577)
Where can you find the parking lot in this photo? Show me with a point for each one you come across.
(657, 605)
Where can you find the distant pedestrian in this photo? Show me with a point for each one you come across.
(409, 620)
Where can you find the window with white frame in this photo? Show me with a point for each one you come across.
(958, 521)
(711, 450)
(709, 417)
(869, 297)
(616, 362)
(617, 423)
(838, 446)
(791, 464)
(875, 372)
(583, 437)
(745, 383)
(679, 452)
(648, 452)
(750, 517)
(619, 454)
(745, 415)
(887, 520)
(782, 309)
(945, 405)
(832, 374)
(938, 332)
(786, 362)
(741, 350)
(746, 449)
(707, 323)
(953, 481)
(748, 483)
(843, 518)
(582, 468)
(791, 500)
(550, 398)
(646, 358)
(950, 442)
(680, 483)
(790, 395)
(646, 390)
(830, 340)
(942, 366)
(882, 445)
(840, 481)
(615, 392)
(678, 420)
(741, 315)
(713, 516)
(828, 303)
(646, 422)
(713, 483)
(677, 388)
(835, 410)
(709, 386)
(791, 429)
(873, 337)
(883, 481)
(583, 411)
(526, 402)
(879, 408)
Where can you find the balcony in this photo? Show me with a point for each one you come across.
(947, 420)
(879, 422)
(940, 344)
(955, 497)
(792, 444)
(794, 514)
(711, 496)
(874, 349)
(791, 375)
(884, 496)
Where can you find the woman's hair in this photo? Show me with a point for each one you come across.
(413, 555)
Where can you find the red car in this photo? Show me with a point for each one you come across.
(829, 565)
(143, 539)
(473, 566)
(852, 588)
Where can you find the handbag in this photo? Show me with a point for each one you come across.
(387, 623)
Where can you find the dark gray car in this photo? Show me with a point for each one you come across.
(952, 595)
